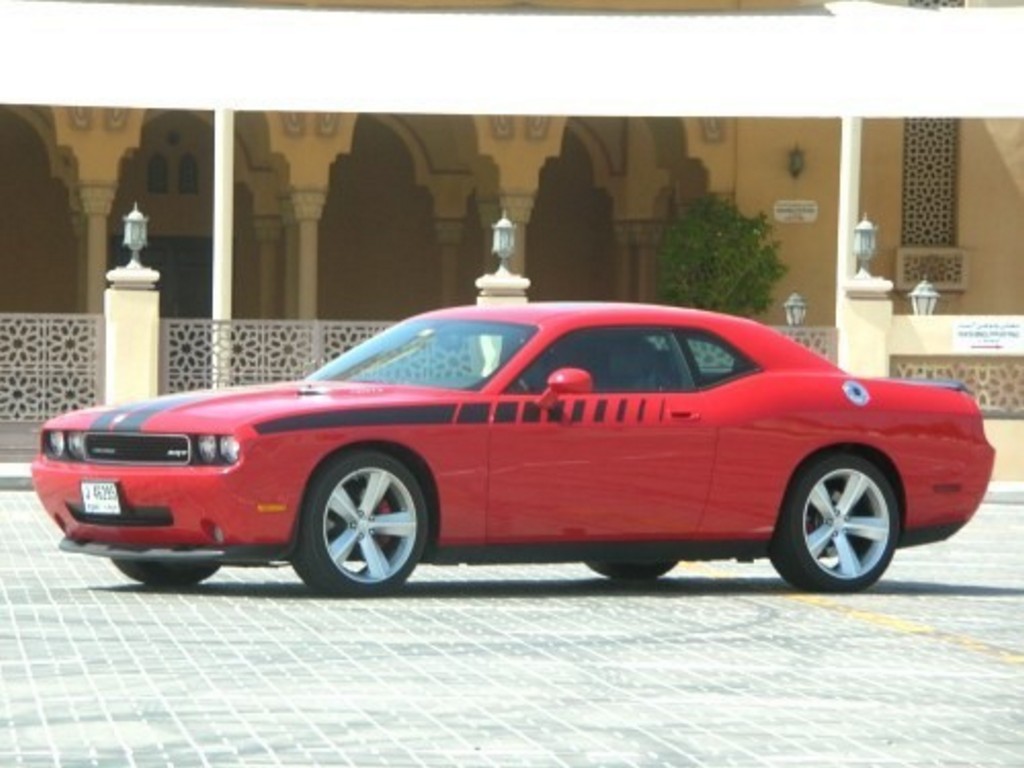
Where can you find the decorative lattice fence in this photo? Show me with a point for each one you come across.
(49, 364)
(996, 382)
(200, 354)
(820, 339)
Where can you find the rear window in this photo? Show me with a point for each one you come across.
(713, 360)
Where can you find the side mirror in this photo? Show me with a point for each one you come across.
(566, 381)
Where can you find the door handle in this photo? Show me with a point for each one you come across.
(684, 416)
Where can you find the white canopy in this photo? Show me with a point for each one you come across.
(846, 58)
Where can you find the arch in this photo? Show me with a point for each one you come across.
(600, 154)
(570, 239)
(38, 247)
(378, 257)
(41, 120)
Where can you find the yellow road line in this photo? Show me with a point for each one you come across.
(903, 626)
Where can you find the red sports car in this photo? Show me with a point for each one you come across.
(628, 437)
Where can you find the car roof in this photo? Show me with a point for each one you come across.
(548, 312)
(766, 346)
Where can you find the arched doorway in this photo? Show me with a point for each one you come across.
(38, 247)
(378, 254)
(170, 176)
(570, 238)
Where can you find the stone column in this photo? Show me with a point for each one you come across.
(96, 201)
(132, 314)
(290, 270)
(638, 241)
(308, 205)
(268, 237)
(867, 315)
(449, 236)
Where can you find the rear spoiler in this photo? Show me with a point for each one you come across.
(954, 384)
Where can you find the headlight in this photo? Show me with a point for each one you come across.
(207, 449)
(76, 445)
(229, 449)
(55, 443)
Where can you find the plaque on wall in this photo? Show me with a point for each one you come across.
(796, 211)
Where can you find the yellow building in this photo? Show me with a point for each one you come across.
(342, 216)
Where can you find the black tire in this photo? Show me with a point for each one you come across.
(632, 571)
(378, 544)
(156, 573)
(838, 526)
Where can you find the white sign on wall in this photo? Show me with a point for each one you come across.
(988, 336)
(796, 211)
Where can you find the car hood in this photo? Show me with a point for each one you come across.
(231, 410)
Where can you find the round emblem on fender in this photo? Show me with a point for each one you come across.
(856, 392)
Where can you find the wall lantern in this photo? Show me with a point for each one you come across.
(864, 237)
(796, 309)
(796, 162)
(504, 241)
(923, 298)
(135, 227)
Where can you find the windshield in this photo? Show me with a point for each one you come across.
(448, 354)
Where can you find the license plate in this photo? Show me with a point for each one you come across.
(100, 498)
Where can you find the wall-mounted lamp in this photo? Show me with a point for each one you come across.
(796, 309)
(923, 298)
(865, 235)
(503, 244)
(135, 230)
(796, 161)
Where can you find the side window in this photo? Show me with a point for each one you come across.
(712, 359)
(618, 359)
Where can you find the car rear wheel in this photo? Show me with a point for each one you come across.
(363, 528)
(155, 573)
(838, 527)
(632, 571)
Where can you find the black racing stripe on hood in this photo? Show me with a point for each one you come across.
(130, 418)
(104, 420)
(364, 417)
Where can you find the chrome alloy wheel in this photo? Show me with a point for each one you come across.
(370, 525)
(846, 524)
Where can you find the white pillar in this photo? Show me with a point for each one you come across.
(96, 201)
(223, 211)
(849, 202)
(132, 316)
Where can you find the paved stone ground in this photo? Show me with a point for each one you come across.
(717, 665)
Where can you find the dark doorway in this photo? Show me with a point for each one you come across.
(186, 276)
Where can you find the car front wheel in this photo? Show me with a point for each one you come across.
(838, 527)
(155, 573)
(363, 528)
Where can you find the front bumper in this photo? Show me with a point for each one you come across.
(235, 555)
(175, 508)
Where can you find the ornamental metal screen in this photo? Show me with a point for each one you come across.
(49, 364)
(821, 339)
(202, 354)
(997, 383)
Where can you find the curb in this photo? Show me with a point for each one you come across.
(1005, 493)
(15, 477)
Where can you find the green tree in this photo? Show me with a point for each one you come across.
(713, 257)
